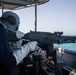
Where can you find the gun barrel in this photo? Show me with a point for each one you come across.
(46, 37)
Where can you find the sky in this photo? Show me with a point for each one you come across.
(55, 15)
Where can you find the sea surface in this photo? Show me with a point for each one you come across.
(68, 46)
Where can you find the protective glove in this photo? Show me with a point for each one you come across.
(31, 46)
(16, 45)
(25, 49)
(19, 34)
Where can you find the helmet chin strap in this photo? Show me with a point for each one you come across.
(7, 28)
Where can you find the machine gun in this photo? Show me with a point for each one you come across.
(45, 41)
(46, 37)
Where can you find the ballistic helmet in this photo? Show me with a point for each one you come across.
(10, 20)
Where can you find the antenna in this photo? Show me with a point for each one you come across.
(2, 7)
(35, 15)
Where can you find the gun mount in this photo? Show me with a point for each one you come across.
(46, 41)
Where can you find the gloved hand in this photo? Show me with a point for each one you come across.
(31, 46)
(25, 49)
(19, 34)
(16, 45)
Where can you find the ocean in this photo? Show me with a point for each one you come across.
(68, 46)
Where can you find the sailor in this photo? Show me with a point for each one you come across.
(9, 57)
